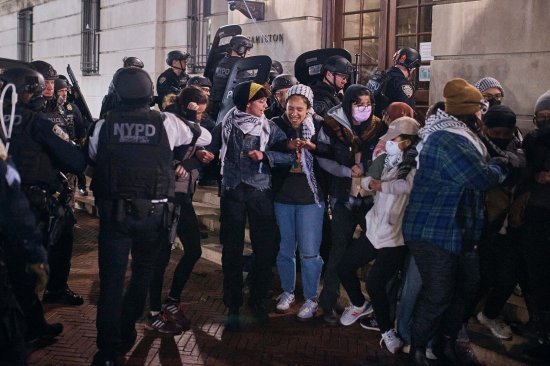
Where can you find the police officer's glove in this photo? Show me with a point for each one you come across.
(40, 270)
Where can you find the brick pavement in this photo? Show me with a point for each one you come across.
(283, 341)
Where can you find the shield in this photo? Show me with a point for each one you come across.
(254, 68)
(6, 63)
(217, 52)
(307, 67)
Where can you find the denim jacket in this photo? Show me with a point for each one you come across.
(239, 168)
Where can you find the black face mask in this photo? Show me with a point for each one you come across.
(493, 102)
(501, 143)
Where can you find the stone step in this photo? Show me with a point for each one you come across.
(212, 249)
(208, 195)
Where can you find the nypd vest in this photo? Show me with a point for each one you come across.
(30, 157)
(221, 77)
(134, 159)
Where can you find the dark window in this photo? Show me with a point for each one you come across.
(90, 37)
(24, 35)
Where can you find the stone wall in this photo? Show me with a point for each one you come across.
(505, 39)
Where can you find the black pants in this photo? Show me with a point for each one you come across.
(236, 205)
(124, 229)
(189, 233)
(500, 264)
(59, 257)
(387, 262)
(12, 323)
(343, 224)
(536, 251)
(449, 283)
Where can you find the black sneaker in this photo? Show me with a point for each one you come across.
(330, 317)
(63, 297)
(259, 312)
(369, 323)
(46, 331)
(162, 324)
(232, 323)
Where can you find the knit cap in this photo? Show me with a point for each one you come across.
(461, 97)
(399, 109)
(543, 103)
(488, 82)
(499, 116)
(244, 92)
(301, 89)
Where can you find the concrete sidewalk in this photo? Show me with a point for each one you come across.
(284, 341)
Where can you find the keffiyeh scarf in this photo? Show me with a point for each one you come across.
(248, 124)
(308, 130)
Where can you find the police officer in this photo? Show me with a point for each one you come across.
(40, 149)
(240, 47)
(399, 87)
(276, 70)
(336, 72)
(109, 101)
(172, 80)
(133, 179)
(61, 231)
(20, 250)
(279, 87)
(73, 121)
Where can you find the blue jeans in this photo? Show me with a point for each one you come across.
(301, 226)
(411, 288)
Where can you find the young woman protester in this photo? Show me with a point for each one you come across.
(384, 239)
(299, 202)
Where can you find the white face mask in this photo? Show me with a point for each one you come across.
(392, 148)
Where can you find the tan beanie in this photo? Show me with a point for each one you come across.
(461, 98)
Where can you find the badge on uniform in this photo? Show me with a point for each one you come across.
(162, 80)
(408, 90)
(69, 107)
(58, 131)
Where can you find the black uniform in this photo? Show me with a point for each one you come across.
(170, 83)
(274, 110)
(398, 89)
(219, 83)
(325, 97)
(20, 243)
(40, 149)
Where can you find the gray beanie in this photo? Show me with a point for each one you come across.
(488, 82)
(543, 103)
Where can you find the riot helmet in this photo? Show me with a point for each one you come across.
(26, 81)
(175, 55)
(132, 61)
(47, 70)
(60, 84)
(411, 59)
(283, 81)
(337, 65)
(133, 86)
(199, 81)
(240, 44)
(277, 67)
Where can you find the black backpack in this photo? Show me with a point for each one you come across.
(377, 85)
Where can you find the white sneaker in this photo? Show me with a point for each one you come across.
(496, 326)
(285, 301)
(307, 311)
(352, 313)
(391, 340)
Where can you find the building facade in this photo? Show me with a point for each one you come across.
(457, 38)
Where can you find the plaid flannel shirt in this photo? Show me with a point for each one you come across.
(446, 204)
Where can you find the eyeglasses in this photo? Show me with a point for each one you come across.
(541, 118)
(343, 76)
(489, 96)
(281, 93)
(362, 107)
